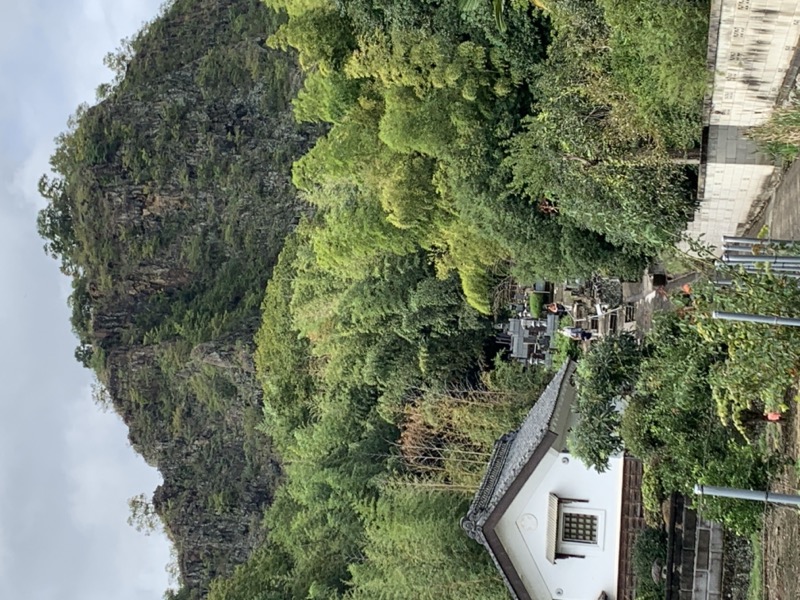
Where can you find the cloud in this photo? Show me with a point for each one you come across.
(18, 17)
(66, 469)
(99, 468)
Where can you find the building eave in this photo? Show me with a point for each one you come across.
(493, 544)
(496, 494)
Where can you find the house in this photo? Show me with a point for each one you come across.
(554, 528)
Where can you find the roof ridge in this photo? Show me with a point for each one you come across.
(510, 454)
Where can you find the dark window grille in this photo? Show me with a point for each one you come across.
(579, 528)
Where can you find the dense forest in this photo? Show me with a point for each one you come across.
(169, 205)
(382, 165)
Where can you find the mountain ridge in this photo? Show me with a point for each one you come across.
(171, 201)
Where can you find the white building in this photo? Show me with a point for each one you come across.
(554, 528)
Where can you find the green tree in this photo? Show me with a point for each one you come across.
(605, 378)
(415, 549)
(143, 516)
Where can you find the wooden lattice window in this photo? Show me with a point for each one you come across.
(579, 528)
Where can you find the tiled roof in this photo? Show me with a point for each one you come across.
(511, 452)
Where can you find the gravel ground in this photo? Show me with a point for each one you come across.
(782, 527)
(736, 567)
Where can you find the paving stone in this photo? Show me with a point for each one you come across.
(703, 543)
(715, 574)
(700, 590)
(716, 538)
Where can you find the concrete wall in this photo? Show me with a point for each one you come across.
(708, 561)
(698, 551)
(523, 529)
(752, 45)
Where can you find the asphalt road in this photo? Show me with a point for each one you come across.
(782, 214)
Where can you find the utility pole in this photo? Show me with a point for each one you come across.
(749, 318)
(756, 495)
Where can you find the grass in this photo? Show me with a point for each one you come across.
(755, 589)
(676, 262)
(564, 347)
(780, 136)
(535, 304)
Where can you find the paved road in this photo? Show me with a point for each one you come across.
(782, 214)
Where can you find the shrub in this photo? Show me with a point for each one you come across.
(780, 136)
(535, 304)
(649, 548)
(758, 363)
(605, 377)
(671, 423)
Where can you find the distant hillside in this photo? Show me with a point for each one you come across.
(171, 202)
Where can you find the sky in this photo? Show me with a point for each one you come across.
(66, 469)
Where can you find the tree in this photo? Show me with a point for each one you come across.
(143, 516)
(265, 576)
(103, 400)
(604, 379)
(415, 550)
(55, 223)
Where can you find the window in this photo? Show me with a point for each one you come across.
(574, 530)
(579, 528)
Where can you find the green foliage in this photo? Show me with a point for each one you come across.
(416, 550)
(780, 136)
(657, 56)
(650, 548)
(428, 108)
(340, 348)
(321, 36)
(564, 348)
(409, 141)
(325, 98)
(535, 304)
(604, 378)
(459, 146)
(455, 148)
(597, 183)
(759, 363)
(608, 371)
(755, 588)
(263, 577)
(672, 414)
(611, 109)
(444, 431)
(282, 355)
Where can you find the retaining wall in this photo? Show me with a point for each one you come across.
(753, 60)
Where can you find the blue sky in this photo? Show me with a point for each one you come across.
(66, 470)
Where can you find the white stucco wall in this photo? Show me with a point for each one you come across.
(751, 47)
(523, 529)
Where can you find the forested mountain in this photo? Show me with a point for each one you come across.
(170, 203)
(462, 149)
(438, 147)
